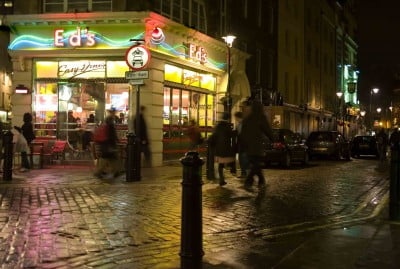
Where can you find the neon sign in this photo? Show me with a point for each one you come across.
(81, 69)
(197, 53)
(75, 39)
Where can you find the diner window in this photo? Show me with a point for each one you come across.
(180, 108)
(56, 6)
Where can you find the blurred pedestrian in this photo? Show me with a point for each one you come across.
(106, 138)
(255, 129)
(382, 141)
(194, 135)
(221, 141)
(243, 161)
(21, 146)
(144, 138)
(27, 128)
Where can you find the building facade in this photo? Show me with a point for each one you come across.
(316, 59)
(73, 65)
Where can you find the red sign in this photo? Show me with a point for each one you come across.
(137, 57)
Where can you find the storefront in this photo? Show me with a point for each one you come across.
(75, 69)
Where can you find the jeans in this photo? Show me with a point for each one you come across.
(243, 162)
(255, 170)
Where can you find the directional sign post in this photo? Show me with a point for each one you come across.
(137, 58)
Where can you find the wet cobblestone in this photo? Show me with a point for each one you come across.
(64, 217)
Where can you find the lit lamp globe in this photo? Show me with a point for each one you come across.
(229, 40)
(339, 94)
(379, 110)
(375, 90)
(362, 113)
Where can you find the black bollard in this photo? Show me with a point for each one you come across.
(8, 155)
(191, 225)
(210, 172)
(132, 163)
(394, 198)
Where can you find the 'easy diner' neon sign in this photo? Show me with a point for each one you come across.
(75, 39)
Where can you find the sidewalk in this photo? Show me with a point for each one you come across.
(63, 217)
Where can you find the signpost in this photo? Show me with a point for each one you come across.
(137, 58)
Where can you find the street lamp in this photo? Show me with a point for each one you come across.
(229, 42)
(379, 110)
(373, 91)
(362, 113)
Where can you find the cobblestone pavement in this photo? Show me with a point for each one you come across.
(65, 218)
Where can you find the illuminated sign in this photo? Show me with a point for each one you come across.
(137, 57)
(21, 89)
(82, 69)
(75, 39)
(197, 53)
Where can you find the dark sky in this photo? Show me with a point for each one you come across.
(379, 47)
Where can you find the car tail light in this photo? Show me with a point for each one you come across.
(278, 145)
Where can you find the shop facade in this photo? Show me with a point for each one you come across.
(74, 69)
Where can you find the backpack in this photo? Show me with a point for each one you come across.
(100, 134)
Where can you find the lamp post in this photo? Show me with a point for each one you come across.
(372, 92)
(339, 95)
(228, 99)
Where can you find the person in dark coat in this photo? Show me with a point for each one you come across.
(221, 141)
(255, 129)
(27, 128)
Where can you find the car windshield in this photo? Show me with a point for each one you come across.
(320, 136)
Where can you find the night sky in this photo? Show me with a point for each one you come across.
(379, 48)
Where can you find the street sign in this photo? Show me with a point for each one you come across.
(136, 82)
(137, 74)
(137, 57)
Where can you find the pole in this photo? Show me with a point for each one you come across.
(138, 147)
(228, 89)
(191, 224)
(394, 193)
(8, 156)
(132, 147)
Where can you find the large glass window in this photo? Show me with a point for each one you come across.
(180, 108)
(66, 110)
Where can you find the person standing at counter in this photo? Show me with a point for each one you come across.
(27, 128)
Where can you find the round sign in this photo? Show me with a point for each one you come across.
(137, 57)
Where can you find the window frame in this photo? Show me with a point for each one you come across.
(67, 8)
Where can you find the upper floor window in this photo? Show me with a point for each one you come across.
(188, 12)
(54, 6)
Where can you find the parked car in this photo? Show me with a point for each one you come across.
(364, 145)
(285, 148)
(328, 143)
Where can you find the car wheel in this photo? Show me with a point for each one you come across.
(306, 158)
(287, 161)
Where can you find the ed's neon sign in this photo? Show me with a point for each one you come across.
(197, 53)
(75, 39)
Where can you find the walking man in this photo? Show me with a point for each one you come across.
(255, 129)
